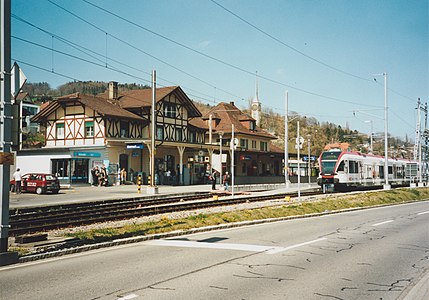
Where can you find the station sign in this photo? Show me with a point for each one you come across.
(87, 154)
(245, 157)
(312, 158)
(135, 146)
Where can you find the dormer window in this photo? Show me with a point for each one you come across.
(252, 125)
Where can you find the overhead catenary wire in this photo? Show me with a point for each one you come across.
(140, 50)
(90, 53)
(289, 46)
(106, 58)
(219, 60)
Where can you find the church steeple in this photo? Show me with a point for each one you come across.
(256, 105)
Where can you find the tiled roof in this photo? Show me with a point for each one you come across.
(274, 148)
(229, 114)
(143, 98)
(100, 105)
(199, 123)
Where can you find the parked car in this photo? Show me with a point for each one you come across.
(38, 182)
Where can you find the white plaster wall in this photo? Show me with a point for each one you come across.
(33, 163)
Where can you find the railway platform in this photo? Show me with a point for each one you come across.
(86, 193)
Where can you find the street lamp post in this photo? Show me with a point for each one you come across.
(298, 147)
(221, 165)
(386, 167)
(309, 153)
(386, 185)
(286, 141)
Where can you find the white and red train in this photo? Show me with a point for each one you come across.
(348, 170)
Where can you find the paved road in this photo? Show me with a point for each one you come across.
(371, 254)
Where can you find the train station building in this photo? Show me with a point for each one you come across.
(114, 129)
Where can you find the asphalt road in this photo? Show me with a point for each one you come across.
(370, 254)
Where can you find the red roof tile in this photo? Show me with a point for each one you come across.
(229, 114)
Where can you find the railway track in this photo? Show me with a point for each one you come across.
(42, 219)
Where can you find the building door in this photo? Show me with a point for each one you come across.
(60, 167)
(80, 170)
(123, 162)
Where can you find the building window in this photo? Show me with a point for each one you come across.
(60, 131)
(124, 129)
(179, 135)
(253, 144)
(192, 136)
(169, 110)
(252, 125)
(159, 133)
(244, 143)
(264, 146)
(89, 129)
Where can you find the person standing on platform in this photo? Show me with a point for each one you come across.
(212, 177)
(123, 176)
(95, 172)
(226, 179)
(18, 178)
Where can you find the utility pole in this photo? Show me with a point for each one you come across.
(299, 141)
(221, 164)
(5, 131)
(309, 161)
(152, 189)
(287, 182)
(233, 145)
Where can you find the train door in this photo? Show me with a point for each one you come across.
(381, 171)
(361, 171)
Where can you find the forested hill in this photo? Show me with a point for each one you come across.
(42, 92)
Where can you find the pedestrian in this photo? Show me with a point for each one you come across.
(18, 178)
(123, 176)
(95, 172)
(225, 181)
(103, 177)
(212, 177)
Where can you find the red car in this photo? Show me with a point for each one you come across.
(38, 182)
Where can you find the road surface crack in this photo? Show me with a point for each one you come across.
(264, 277)
(329, 296)
(393, 287)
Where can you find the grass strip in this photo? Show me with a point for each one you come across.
(330, 203)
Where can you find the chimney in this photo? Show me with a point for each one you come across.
(232, 103)
(113, 90)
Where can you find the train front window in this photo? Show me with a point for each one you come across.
(328, 167)
(329, 160)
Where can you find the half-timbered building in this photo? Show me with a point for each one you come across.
(113, 129)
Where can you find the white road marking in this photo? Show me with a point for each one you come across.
(191, 244)
(423, 213)
(273, 251)
(226, 246)
(382, 223)
(128, 297)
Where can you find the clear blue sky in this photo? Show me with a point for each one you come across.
(323, 52)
